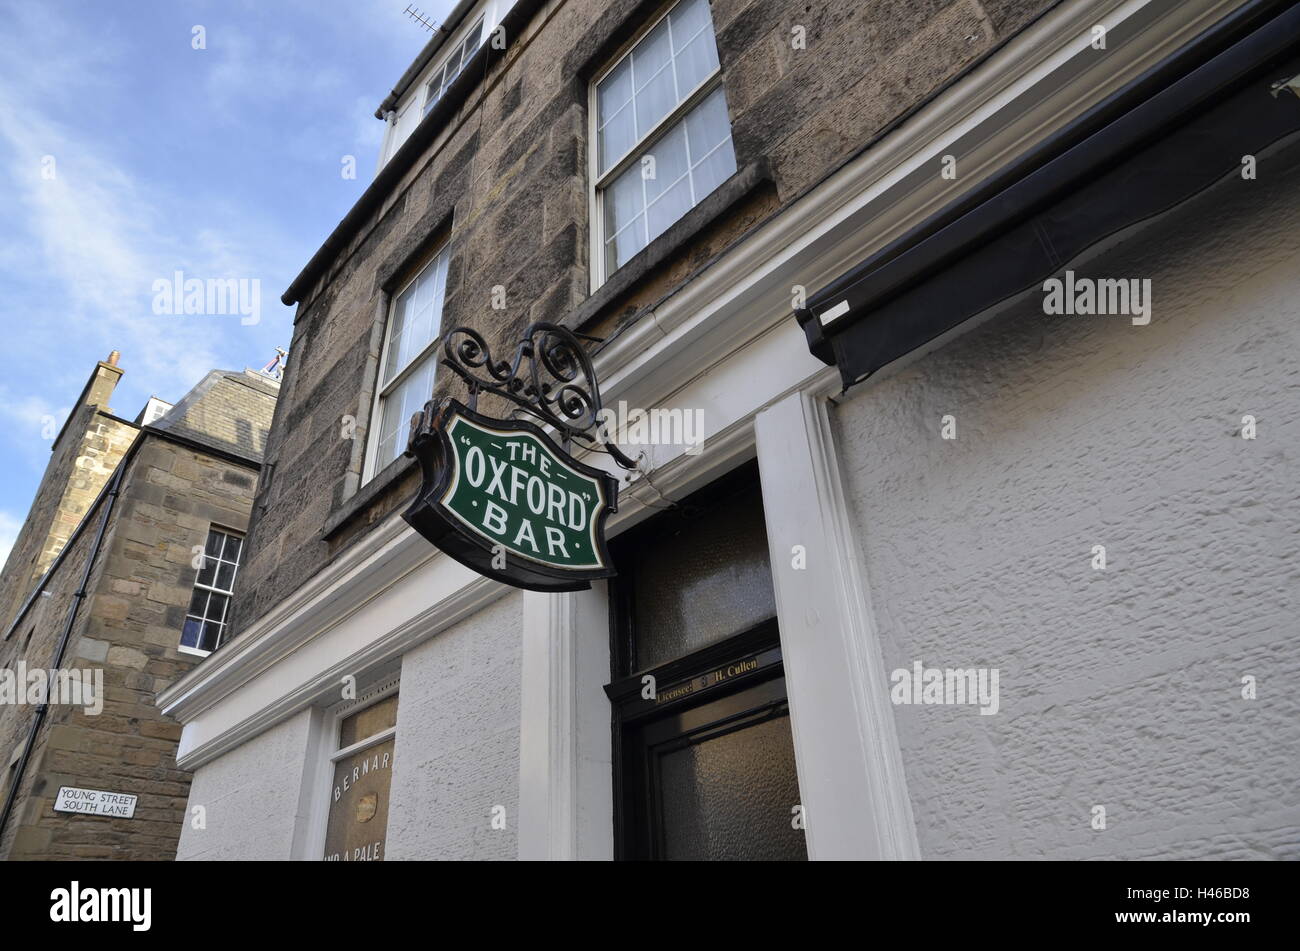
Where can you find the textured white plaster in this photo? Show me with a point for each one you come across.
(250, 797)
(457, 752)
(1118, 687)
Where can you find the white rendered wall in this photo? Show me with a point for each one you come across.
(1120, 687)
(250, 797)
(457, 754)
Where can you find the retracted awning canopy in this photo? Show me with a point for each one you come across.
(1172, 133)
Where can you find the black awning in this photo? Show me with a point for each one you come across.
(1172, 133)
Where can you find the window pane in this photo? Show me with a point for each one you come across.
(701, 142)
(407, 399)
(620, 248)
(217, 606)
(211, 636)
(615, 90)
(472, 40)
(419, 388)
(697, 61)
(655, 100)
(225, 576)
(618, 135)
(191, 633)
(706, 577)
(670, 163)
(707, 124)
(384, 452)
(726, 798)
(373, 719)
(670, 206)
(451, 67)
(688, 18)
(214, 542)
(437, 296)
(417, 314)
(198, 602)
(712, 171)
(208, 571)
(395, 334)
(451, 75)
(234, 545)
(651, 55)
(624, 200)
(712, 154)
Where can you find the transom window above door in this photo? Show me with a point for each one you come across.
(662, 134)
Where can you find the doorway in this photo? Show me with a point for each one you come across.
(703, 755)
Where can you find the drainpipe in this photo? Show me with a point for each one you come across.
(77, 598)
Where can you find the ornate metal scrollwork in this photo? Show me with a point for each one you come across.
(549, 377)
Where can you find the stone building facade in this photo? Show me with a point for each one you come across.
(907, 458)
(502, 180)
(116, 605)
(88, 448)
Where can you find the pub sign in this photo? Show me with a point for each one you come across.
(501, 497)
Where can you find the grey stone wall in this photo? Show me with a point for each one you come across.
(457, 754)
(506, 183)
(1119, 687)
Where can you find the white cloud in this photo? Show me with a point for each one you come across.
(9, 528)
(89, 243)
(101, 240)
(30, 423)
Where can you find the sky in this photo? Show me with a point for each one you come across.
(135, 145)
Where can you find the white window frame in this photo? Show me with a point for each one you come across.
(599, 182)
(212, 589)
(371, 468)
(391, 142)
(328, 753)
(417, 95)
(439, 71)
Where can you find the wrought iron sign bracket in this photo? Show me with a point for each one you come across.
(550, 377)
(500, 495)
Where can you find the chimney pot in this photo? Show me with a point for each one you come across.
(114, 357)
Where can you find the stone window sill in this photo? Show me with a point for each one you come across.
(379, 485)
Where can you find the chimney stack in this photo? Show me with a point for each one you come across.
(102, 382)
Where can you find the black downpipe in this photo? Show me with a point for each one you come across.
(73, 609)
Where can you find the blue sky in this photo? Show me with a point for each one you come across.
(126, 155)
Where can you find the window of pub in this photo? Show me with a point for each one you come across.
(363, 768)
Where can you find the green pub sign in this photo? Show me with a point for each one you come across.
(502, 498)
